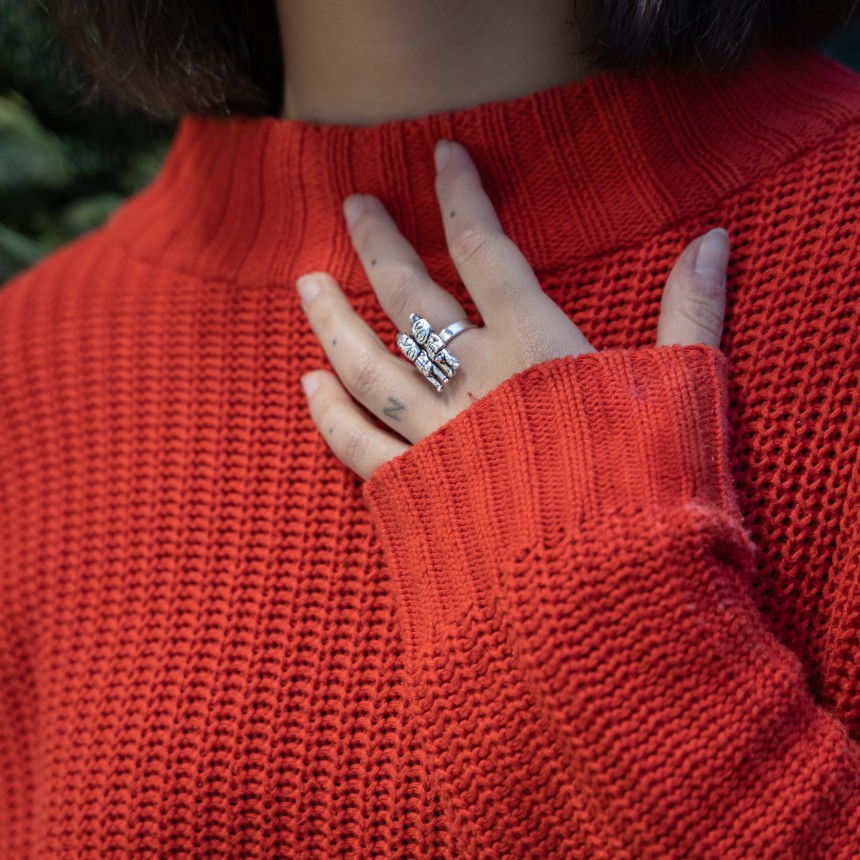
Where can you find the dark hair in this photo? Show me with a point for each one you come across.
(223, 57)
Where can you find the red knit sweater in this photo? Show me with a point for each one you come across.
(610, 610)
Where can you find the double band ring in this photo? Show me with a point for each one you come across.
(428, 351)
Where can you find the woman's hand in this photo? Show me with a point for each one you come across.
(522, 325)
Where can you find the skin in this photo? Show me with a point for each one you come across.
(363, 63)
(522, 325)
(366, 62)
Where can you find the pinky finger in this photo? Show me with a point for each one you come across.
(353, 438)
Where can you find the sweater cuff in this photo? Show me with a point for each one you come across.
(557, 446)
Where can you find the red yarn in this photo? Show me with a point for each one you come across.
(609, 611)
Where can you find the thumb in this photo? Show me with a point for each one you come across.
(694, 300)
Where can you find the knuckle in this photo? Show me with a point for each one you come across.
(326, 413)
(368, 232)
(701, 304)
(472, 245)
(454, 184)
(709, 289)
(364, 375)
(402, 287)
(324, 308)
(352, 444)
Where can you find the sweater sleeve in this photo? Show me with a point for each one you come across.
(592, 674)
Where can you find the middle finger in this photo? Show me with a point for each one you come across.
(497, 275)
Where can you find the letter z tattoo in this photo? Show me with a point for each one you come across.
(391, 411)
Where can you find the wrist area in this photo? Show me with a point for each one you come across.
(561, 445)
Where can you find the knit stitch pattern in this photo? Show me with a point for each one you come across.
(610, 610)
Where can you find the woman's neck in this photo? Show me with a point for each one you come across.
(363, 62)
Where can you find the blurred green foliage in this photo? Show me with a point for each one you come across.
(64, 169)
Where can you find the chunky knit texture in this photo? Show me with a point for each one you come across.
(609, 611)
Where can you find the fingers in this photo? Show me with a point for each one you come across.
(398, 275)
(387, 386)
(692, 309)
(351, 435)
(499, 278)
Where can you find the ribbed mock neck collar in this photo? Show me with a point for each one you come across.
(613, 157)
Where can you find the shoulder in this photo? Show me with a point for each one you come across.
(817, 186)
(796, 145)
(789, 106)
(95, 274)
(48, 278)
(82, 308)
(780, 109)
(44, 308)
(811, 110)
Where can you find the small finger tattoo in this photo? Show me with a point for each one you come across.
(391, 411)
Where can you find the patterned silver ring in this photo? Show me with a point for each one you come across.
(427, 350)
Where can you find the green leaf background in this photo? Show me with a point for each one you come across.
(64, 169)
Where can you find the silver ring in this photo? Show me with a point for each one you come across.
(427, 350)
(455, 328)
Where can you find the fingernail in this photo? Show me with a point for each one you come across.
(713, 254)
(310, 383)
(442, 154)
(353, 207)
(308, 287)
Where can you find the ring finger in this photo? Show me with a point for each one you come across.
(387, 386)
